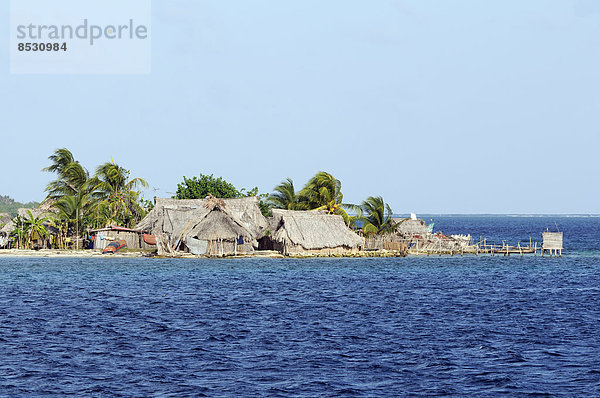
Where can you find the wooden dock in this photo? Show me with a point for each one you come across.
(482, 248)
(493, 250)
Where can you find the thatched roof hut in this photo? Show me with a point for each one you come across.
(10, 226)
(9, 222)
(220, 224)
(297, 232)
(5, 218)
(6, 227)
(409, 227)
(206, 226)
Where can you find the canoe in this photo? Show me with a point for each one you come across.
(114, 247)
(150, 239)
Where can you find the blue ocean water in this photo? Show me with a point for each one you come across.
(426, 326)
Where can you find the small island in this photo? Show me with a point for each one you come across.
(87, 215)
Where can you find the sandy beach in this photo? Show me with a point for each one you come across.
(65, 253)
(259, 254)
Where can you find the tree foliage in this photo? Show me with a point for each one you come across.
(118, 195)
(110, 197)
(30, 228)
(284, 196)
(323, 192)
(201, 187)
(376, 216)
(205, 185)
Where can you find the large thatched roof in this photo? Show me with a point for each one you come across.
(312, 230)
(191, 217)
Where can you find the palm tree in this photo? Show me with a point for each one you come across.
(284, 196)
(72, 176)
(18, 233)
(34, 228)
(377, 217)
(61, 158)
(74, 210)
(356, 218)
(324, 192)
(72, 189)
(119, 195)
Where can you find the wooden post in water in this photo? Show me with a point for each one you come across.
(520, 250)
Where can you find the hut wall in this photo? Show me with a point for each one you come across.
(133, 239)
(552, 240)
(227, 248)
(386, 242)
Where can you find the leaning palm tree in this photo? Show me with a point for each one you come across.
(118, 193)
(377, 216)
(72, 177)
(323, 192)
(284, 196)
(61, 158)
(72, 188)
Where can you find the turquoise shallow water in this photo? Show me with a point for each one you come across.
(462, 326)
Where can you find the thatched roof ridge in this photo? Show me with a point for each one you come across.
(313, 230)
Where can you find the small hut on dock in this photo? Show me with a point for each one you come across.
(552, 243)
(311, 232)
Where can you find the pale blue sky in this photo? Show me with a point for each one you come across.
(438, 106)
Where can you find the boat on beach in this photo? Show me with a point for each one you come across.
(114, 247)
